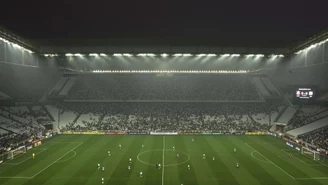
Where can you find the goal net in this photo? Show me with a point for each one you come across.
(13, 153)
(310, 153)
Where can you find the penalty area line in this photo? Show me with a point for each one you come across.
(271, 162)
(56, 160)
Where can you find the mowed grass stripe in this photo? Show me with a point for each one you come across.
(220, 170)
(226, 155)
(283, 162)
(279, 158)
(51, 174)
(120, 175)
(171, 172)
(318, 169)
(137, 166)
(256, 168)
(153, 175)
(200, 168)
(40, 162)
(71, 170)
(310, 171)
(31, 167)
(186, 176)
(266, 167)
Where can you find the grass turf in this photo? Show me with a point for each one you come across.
(73, 159)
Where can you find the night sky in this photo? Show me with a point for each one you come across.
(264, 23)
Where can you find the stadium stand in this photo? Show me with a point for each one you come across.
(166, 116)
(318, 137)
(152, 87)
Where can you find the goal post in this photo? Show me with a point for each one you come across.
(15, 152)
(310, 153)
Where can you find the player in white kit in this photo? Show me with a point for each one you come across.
(178, 155)
(129, 168)
(213, 158)
(109, 153)
(204, 156)
(98, 166)
(103, 168)
(140, 174)
(188, 167)
(237, 165)
(130, 160)
(234, 150)
(120, 146)
(102, 180)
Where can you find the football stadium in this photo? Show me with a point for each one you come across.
(129, 112)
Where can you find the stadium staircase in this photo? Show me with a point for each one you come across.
(251, 117)
(280, 113)
(48, 113)
(10, 131)
(287, 115)
(101, 118)
(265, 86)
(77, 117)
(29, 107)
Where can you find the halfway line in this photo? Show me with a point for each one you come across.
(163, 160)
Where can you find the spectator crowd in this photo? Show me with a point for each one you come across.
(169, 116)
(318, 138)
(172, 87)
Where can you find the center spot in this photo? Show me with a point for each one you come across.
(152, 157)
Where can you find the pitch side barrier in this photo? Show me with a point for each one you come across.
(138, 133)
(164, 133)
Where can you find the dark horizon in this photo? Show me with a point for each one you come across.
(245, 24)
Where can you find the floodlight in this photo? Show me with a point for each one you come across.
(164, 55)
(187, 55)
(142, 54)
(235, 55)
(211, 55)
(68, 54)
(150, 54)
(201, 55)
(103, 54)
(225, 55)
(177, 55)
(127, 54)
(117, 54)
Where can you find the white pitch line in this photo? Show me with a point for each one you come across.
(271, 162)
(56, 160)
(312, 178)
(15, 177)
(302, 160)
(25, 159)
(163, 160)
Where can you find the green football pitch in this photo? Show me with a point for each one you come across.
(73, 160)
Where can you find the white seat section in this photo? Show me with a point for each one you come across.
(3, 131)
(86, 118)
(261, 118)
(310, 110)
(66, 117)
(309, 127)
(287, 115)
(53, 111)
(11, 125)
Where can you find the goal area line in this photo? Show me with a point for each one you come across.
(31, 177)
(295, 178)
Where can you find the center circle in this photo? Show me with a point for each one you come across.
(187, 156)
